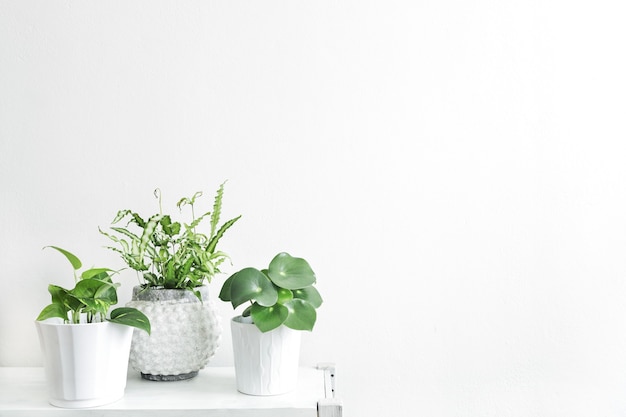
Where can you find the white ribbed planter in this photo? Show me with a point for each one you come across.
(185, 335)
(85, 364)
(265, 363)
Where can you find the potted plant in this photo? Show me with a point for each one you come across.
(266, 336)
(85, 349)
(175, 260)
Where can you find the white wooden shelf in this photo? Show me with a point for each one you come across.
(211, 393)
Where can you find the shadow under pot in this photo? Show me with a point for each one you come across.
(186, 333)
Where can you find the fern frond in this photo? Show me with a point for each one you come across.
(197, 221)
(125, 232)
(147, 233)
(217, 208)
(215, 239)
(115, 250)
(120, 215)
(113, 238)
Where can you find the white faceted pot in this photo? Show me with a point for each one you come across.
(185, 333)
(85, 364)
(265, 363)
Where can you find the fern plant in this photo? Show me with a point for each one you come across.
(170, 254)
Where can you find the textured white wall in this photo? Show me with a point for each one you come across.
(454, 171)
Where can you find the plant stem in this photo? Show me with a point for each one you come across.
(157, 194)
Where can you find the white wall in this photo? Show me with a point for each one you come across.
(454, 171)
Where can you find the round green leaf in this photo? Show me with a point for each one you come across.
(291, 273)
(225, 291)
(268, 318)
(284, 295)
(309, 294)
(302, 315)
(250, 284)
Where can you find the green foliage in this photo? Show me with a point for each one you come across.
(168, 253)
(282, 294)
(90, 299)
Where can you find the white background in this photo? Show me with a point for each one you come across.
(454, 171)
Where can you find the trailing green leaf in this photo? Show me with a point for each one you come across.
(76, 263)
(91, 298)
(53, 310)
(96, 273)
(131, 317)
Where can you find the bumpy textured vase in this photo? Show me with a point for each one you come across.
(186, 333)
(265, 363)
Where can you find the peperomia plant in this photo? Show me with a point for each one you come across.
(91, 298)
(282, 294)
(168, 253)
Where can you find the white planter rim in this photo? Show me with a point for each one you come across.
(59, 322)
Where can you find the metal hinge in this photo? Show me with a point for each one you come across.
(330, 405)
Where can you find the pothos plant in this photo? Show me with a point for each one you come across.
(91, 298)
(172, 254)
(282, 294)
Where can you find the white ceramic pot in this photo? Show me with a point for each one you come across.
(265, 363)
(86, 365)
(185, 333)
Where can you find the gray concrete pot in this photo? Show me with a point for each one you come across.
(186, 333)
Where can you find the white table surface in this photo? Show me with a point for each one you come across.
(211, 393)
